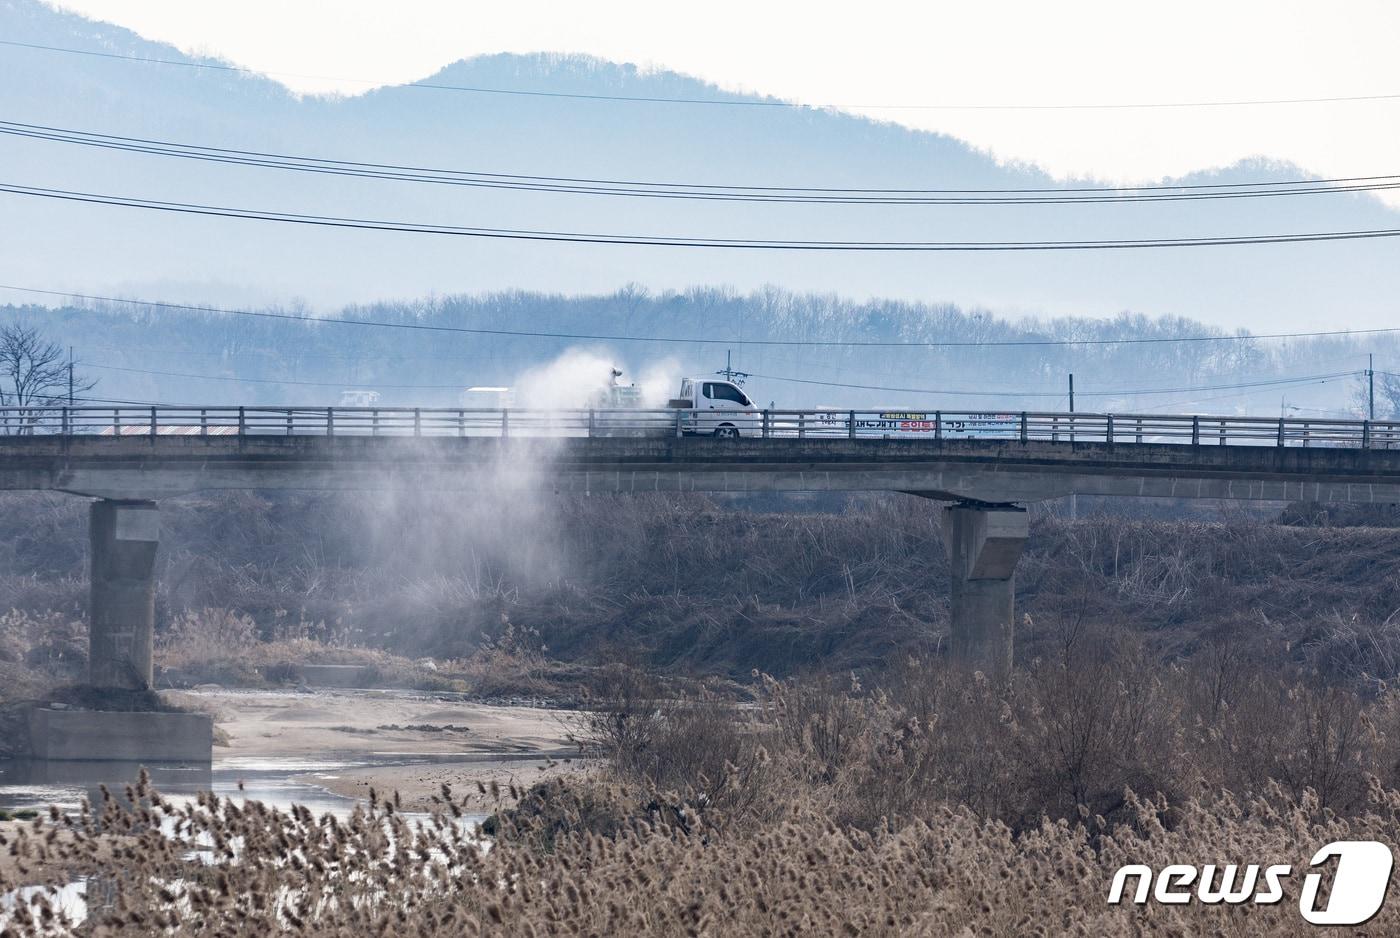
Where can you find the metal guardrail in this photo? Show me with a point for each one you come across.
(1190, 429)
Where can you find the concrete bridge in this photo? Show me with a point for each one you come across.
(986, 466)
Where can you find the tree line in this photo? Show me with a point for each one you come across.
(1124, 363)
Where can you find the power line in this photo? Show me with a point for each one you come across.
(573, 237)
(147, 403)
(605, 337)
(1327, 411)
(1276, 382)
(726, 102)
(50, 402)
(128, 403)
(314, 384)
(1235, 396)
(823, 195)
(622, 182)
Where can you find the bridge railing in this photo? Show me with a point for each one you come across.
(1181, 429)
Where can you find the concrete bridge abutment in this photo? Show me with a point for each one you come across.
(984, 544)
(123, 538)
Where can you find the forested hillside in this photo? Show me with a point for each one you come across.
(142, 353)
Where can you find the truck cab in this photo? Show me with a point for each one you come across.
(716, 407)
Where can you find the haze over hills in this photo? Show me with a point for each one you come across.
(103, 249)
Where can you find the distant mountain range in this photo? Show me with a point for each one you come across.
(104, 249)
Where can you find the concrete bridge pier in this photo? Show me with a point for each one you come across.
(124, 536)
(984, 543)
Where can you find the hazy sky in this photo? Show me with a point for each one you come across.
(1015, 52)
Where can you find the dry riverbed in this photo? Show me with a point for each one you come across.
(322, 748)
(349, 741)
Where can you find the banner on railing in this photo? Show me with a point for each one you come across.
(181, 430)
(951, 425)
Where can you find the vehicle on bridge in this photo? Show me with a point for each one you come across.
(487, 398)
(716, 407)
(616, 395)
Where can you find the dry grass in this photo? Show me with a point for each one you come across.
(694, 588)
(1060, 737)
(218, 645)
(939, 803)
(37, 653)
(657, 868)
(40, 649)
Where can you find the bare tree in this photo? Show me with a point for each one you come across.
(1387, 396)
(34, 374)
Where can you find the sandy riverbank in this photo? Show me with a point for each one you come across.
(329, 731)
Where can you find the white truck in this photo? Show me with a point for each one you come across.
(716, 407)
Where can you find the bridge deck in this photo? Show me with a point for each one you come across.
(150, 466)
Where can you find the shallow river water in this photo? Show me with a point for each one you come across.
(65, 784)
(278, 782)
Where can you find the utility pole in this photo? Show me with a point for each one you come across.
(1074, 496)
(1371, 384)
(728, 371)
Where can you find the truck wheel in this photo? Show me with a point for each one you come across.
(727, 432)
